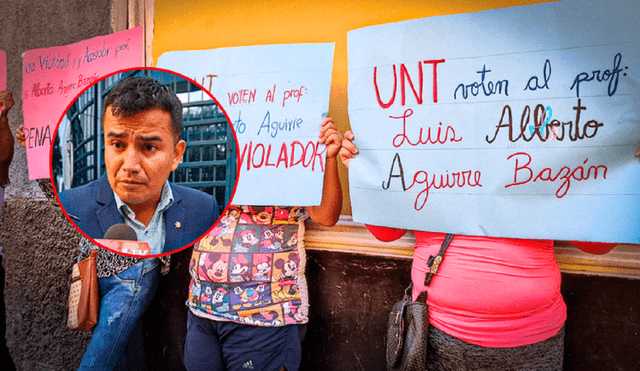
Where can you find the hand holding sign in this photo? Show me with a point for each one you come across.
(331, 137)
(348, 150)
(20, 136)
(6, 102)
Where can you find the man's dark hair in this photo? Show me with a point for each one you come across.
(133, 95)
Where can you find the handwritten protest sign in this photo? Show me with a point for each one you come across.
(519, 122)
(3, 70)
(52, 77)
(276, 97)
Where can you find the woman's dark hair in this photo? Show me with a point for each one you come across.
(133, 95)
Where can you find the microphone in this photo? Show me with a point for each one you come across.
(121, 238)
(121, 231)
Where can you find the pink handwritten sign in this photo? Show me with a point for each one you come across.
(52, 77)
(3, 70)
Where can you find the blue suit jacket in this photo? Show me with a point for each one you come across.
(95, 206)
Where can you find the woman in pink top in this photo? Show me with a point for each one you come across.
(495, 302)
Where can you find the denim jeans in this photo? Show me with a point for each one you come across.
(123, 300)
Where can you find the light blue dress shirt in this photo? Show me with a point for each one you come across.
(154, 234)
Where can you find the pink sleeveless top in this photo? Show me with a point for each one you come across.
(492, 292)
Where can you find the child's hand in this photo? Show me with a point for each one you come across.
(6, 101)
(20, 136)
(331, 137)
(348, 150)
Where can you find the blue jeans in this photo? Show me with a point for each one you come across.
(123, 300)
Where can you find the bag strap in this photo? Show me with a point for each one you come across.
(94, 254)
(434, 261)
(434, 264)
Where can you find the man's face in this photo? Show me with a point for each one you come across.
(139, 154)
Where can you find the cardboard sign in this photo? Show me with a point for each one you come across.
(3, 70)
(520, 122)
(52, 77)
(276, 97)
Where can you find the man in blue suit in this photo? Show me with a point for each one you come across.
(142, 124)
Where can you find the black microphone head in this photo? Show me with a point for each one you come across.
(121, 232)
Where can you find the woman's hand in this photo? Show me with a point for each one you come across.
(348, 150)
(20, 136)
(6, 101)
(331, 137)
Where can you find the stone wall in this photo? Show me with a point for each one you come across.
(39, 244)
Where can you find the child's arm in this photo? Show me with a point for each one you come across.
(328, 212)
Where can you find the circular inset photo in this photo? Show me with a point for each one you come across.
(144, 162)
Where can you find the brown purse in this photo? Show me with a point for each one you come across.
(408, 326)
(84, 300)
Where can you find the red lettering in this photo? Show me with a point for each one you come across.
(404, 74)
(399, 139)
(259, 145)
(375, 84)
(268, 156)
(242, 96)
(306, 151)
(246, 150)
(518, 168)
(435, 77)
(405, 77)
(259, 155)
(282, 157)
(565, 174)
(319, 156)
(293, 151)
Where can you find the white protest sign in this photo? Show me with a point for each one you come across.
(519, 122)
(276, 97)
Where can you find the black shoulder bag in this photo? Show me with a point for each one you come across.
(409, 323)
